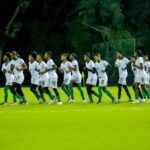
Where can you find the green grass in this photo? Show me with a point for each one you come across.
(78, 126)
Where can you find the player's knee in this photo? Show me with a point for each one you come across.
(47, 91)
(56, 92)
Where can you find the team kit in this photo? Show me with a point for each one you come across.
(44, 77)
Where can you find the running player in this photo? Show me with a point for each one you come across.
(53, 77)
(18, 66)
(140, 77)
(134, 70)
(76, 78)
(102, 67)
(8, 76)
(33, 67)
(92, 76)
(43, 79)
(122, 63)
(65, 67)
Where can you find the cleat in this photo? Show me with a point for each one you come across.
(136, 102)
(14, 103)
(83, 101)
(4, 104)
(91, 102)
(51, 102)
(55, 99)
(59, 103)
(24, 103)
(113, 101)
(142, 100)
(130, 100)
(98, 103)
(71, 101)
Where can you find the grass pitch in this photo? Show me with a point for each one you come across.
(76, 126)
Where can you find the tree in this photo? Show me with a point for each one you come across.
(12, 28)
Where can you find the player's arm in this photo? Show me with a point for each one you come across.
(108, 67)
(139, 67)
(24, 67)
(54, 67)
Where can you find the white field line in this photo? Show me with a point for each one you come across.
(77, 110)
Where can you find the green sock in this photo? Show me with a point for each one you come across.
(14, 98)
(65, 90)
(51, 96)
(136, 95)
(100, 93)
(5, 94)
(23, 99)
(37, 95)
(108, 93)
(71, 91)
(148, 94)
(58, 98)
(42, 96)
(144, 94)
(95, 94)
(19, 97)
(81, 92)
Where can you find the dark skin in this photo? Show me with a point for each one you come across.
(54, 67)
(14, 56)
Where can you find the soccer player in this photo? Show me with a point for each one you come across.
(122, 63)
(65, 67)
(43, 79)
(102, 67)
(147, 69)
(134, 70)
(8, 76)
(140, 77)
(92, 76)
(33, 67)
(76, 78)
(53, 77)
(18, 66)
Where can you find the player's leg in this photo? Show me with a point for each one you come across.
(40, 89)
(140, 93)
(65, 89)
(119, 92)
(81, 92)
(34, 91)
(89, 91)
(108, 93)
(71, 91)
(145, 91)
(54, 87)
(20, 92)
(136, 91)
(127, 92)
(6, 89)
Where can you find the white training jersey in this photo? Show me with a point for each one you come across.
(33, 67)
(146, 65)
(6, 69)
(65, 68)
(90, 65)
(101, 67)
(138, 62)
(17, 64)
(122, 64)
(134, 69)
(52, 74)
(42, 68)
(74, 64)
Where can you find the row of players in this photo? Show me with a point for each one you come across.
(44, 76)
